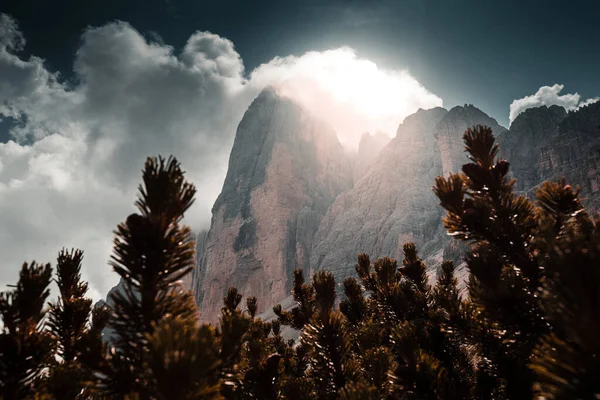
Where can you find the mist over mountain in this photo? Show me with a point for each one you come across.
(293, 199)
(286, 168)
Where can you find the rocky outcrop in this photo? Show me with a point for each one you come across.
(285, 170)
(194, 280)
(449, 133)
(546, 143)
(522, 144)
(391, 204)
(369, 148)
(108, 334)
(574, 153)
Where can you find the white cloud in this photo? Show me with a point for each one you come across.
(588, 102)
(548, 96)
(354, 95)
(72, 171)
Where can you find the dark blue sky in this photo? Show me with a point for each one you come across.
(482, 52)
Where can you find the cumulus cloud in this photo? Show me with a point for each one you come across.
(354, 95)
(588, 102)
(548, 96)
(70, 172)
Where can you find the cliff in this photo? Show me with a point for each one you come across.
(369, 148)
(547, 143)
(391, 204)
(574, 153)
(194, 280)
(522, 144)
(288, 200)
(450, 130)
(285, 170)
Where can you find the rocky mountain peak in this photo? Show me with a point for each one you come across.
(412, 128)
(285, 169)
(391, 204)
(535, 118)
(449, 133)
(585, 120)
(369, 147)
(522, 144)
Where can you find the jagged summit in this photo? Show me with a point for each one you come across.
(391, 204)
(407, 127)
(585, 120)
(450, 129)
(471, 114)
(548, 116)
(369, 147)
(521, 145)
(285, 169)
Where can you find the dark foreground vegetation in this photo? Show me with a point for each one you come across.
(527, 325)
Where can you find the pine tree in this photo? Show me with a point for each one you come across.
(395, 335)
(80, 349)
(26, 348)
(260, 357)
(151, 253)
(411, 328)
(566, 360)
(533, 282)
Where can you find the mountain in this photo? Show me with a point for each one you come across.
(522, 144)
(449, 134)
(292, 198)
(369, 148)
(194, 280)
(285, 170)
(391, 204)
(557, 144)
(574, 153)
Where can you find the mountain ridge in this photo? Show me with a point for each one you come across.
(285, 169)
(282, 207)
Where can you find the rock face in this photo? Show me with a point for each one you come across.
(107, 333)
(449, 133)
(547, 143)
(391, 204)
(194, 280)
(285, 170)
(522, 144)
(574, 153)
(368, 149)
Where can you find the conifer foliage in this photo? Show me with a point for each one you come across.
(534, 278)
(76, 330)
(526, 326)
(26, 348)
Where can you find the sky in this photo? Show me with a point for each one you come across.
(89, 89)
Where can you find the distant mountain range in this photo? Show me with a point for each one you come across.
(293, 198)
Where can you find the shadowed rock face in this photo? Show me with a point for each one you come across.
(547, 143)
(449, 133)
(368, 149)
(193, 281)
(285, 170)
(574, 153)
(391, 204)
(522, 144)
